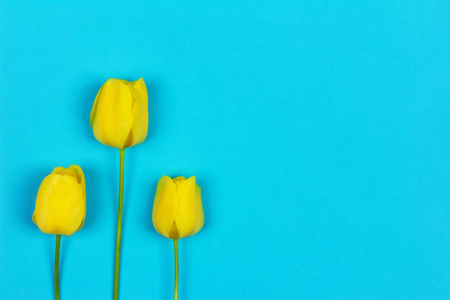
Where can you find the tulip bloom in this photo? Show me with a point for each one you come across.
(61, 207)
(119, 118)
(177, 212)
(61, 202)
(177, 208)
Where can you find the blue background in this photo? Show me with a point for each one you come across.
(318, 131)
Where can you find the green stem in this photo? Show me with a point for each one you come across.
(119, 226)
(58, 243)
(175, 247)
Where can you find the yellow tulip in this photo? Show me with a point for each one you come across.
(119, 117)
(61, 202)
(177, 208)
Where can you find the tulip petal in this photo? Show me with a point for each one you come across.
(139, 111)
(114, 119)
(198, 207)
(164, 207)
(186, 212)
(81, 180)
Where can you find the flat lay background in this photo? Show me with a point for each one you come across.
(318, 130)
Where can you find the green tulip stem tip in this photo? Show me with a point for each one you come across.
(175, 247)
(119, 225)
(58, 243)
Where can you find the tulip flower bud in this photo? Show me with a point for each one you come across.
(119, 117)
(177, 208)
(61, 202)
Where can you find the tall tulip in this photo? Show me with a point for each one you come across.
(61, 207)
(119, 118)
(177, 212)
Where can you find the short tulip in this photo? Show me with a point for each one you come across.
(177, 208)
(177, 212)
